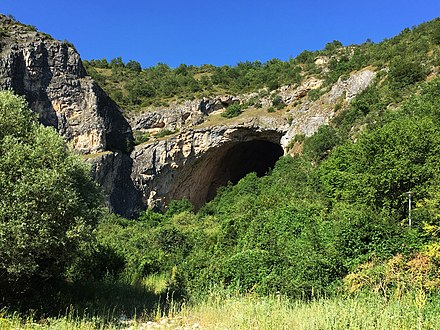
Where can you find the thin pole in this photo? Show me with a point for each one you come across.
(410, 193)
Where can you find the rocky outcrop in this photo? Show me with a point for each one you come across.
(310, 115)
(349, 88)
(291, 94)
(112, 170)
(179, 115)
(192, 164)
(50, 74)
(195, 162)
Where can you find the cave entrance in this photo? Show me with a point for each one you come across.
(241, 159)
(230, 162)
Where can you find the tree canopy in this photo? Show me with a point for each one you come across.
(48, 202)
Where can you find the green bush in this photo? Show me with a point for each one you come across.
(385, 163)
(162, 133)
(278, 102)
(140, 137)
(247, 269)
(315, 94)
(318, 146)
(232, 111)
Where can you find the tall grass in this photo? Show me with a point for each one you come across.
(71, 321)
(225, 310)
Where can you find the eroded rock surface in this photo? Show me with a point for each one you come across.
(112, 170)
(195, 163)
(312, 114)
(50, 74)
(179, 115)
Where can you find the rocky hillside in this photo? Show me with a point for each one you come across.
(188, 147)
(184, 164)
(50, 74)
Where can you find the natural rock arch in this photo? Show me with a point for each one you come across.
(194, 163)
(198, 181)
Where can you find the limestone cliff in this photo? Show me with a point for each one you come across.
(194, 163)
(49, 73)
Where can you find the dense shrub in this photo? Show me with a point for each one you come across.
(384, 164)
(232, 111)
(318, 146)
(404, 72)
(278, 102)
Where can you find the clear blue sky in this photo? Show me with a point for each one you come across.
(215, 32)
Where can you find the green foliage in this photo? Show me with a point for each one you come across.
(337, 212)
(363, 233)
(179, 206)
(404, 72)
(315, 94)
(32, 28)
(332, 46)
(164, 132)
(367, 107)
(117, 63)
(134, 88)
(48, 203)
(384, 164)
(436, 36)
(271, 110)
(154, 244)
(302, 228)
(232, 111)
(134, 65)
(277, 102)
(140, 137)
(315, 219)
(16, 119)
(306, 57)
(248, 268)
(318, 146)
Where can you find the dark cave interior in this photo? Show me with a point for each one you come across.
(232, 161)
(242, 158)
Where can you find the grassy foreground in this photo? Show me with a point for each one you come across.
(223, 311)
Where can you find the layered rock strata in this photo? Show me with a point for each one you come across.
(50, 74)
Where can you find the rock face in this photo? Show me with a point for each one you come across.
(177, 116)
(49, 73)
(192, 163)
(195, 163)
(112, 170)
(312, 114)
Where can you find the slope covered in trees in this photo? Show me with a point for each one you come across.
(307, 226)
(333, 218)
(408, 56)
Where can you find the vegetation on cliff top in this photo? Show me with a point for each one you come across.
(409, 57)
